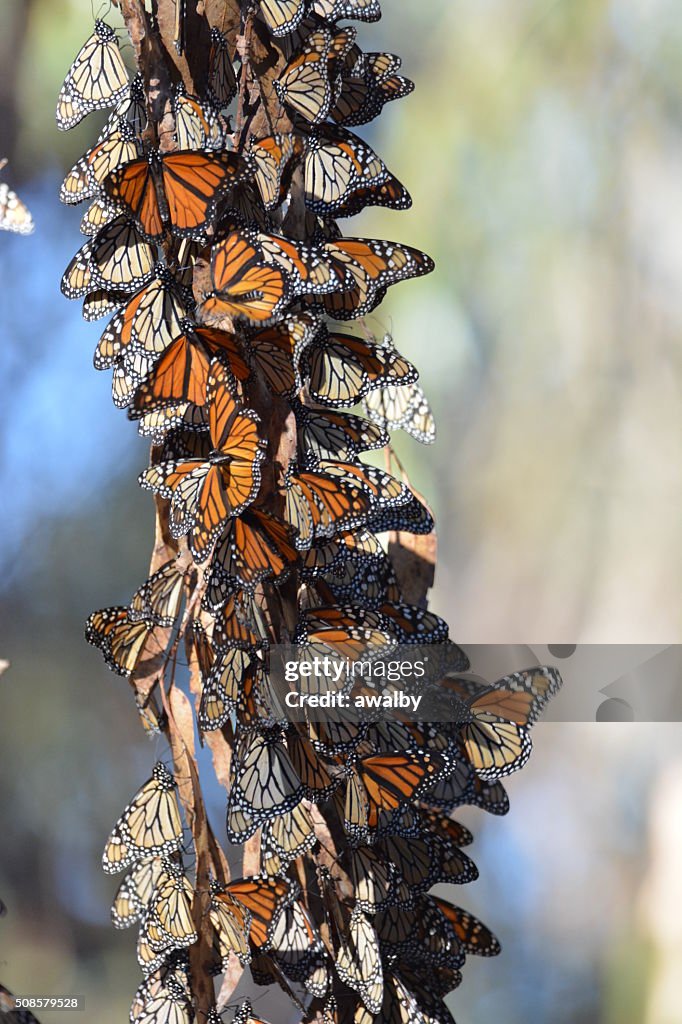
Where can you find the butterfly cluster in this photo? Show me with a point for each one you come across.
(232, 291)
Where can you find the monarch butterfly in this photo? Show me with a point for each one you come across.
(10, 1013)
(282, 16)
(426, 860)
(132, 109)
(123, 641)
(233, 627)
(263, 898)
(413, 517)
(381, 783)
(343, 632)
(221, 77)
(410, 624)
(336, 10)
(402, 407)
(342, 175)
(366, 86)
(222, 688)
(148, 322)
(245, 1015)
(158, 600)
(317, 506)
(365, 576)
(463, 786)
(332, 555)
(170, 1004)
(296, 947)
(382, 488)
(277, 350)
(306, 270)
(97, 215)
(168, 920)
(101, 303)
(14, 215)
(97, 78)
(376, 882)
(372, 266)
(135, 892)
(495, 719)
(325, 435)
(243, 285)
(358, 961)
(439, 824)
(180, 377)
(286, 837)
(473, 936)
(85, 178)
(205, 494)
(197, 126)
(420, 935)
(256, 546)
(265, 784)
(304, 85)
(117, 259)
(232, 923)
(274, 157)
(342, 368)
(149, 826)
(182, 189)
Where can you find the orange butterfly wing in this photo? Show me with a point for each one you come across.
(133, 187)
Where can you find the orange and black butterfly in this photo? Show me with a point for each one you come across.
(382, 783)
(150, 825)
(221, 77)
(282, 16)
(179, 379)
(205, 494)
(319, 505)
(274, 157)
(244, 285)
(495, 720)
(260, 902)
(307, 270)
(97, 79)
(236, 626)
(226, 686)
(372, 265)
(118, 259)
(256, 547)
(342, 175)
(265, 783)
(368, 82)
(341, 368)
(84, 180)
(307, 85)
(323, 434)
(147, 323)
(181, 189)
(277, 351)
(473, 936)
(336, 10)
(285, 838)
(122, 640)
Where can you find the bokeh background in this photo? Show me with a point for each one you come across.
(543, 151)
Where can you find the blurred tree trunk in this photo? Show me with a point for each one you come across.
(13, 30)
